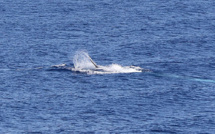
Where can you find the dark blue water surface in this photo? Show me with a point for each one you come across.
(174, 39)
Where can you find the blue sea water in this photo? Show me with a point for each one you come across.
(174, 39)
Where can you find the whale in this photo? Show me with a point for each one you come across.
(83, 63)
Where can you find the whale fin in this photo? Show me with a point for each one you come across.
(96, 66)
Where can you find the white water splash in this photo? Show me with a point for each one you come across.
(83, 63)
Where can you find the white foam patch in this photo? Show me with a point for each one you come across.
(83, 64)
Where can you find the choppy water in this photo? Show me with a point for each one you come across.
(173, 39)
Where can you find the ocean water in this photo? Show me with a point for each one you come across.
(173, 42)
